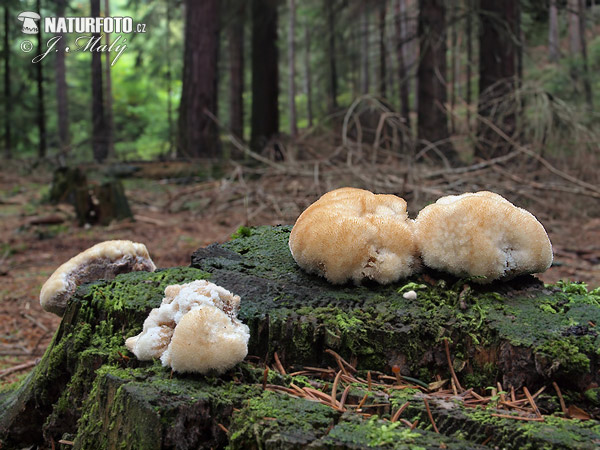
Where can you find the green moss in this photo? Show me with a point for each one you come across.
(566, 352)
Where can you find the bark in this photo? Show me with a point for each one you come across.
(497, 75)
(453, 52)
(99, 142)
(110, 126)
(332, 75)
(432, 116)
(7, 83)
(469, 32)
(169, 78)
(41, 107)
(403, 74)
(364, 56)
(90, 387)
(198, 136)
(265, 73)
(587, 84)
(553, 42)
(236, 71)
(292, 68)
(574, 27)
(62, 99)
(382, 52)
(307, 75)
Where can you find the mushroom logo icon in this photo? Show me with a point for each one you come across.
(29, 19)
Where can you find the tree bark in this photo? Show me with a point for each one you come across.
(587, 84)
(453, 51)
(553, 43)
(99, 142)
(265, 73)
(62, 99)
(432, 116)
(198, 136)
(41, 111)
(497, 75)
(364, 56)
(469, 37)
(169, 79)
(110, 126)
(332, 75)
(307, 75)
(382, 51)
(574, 27)
(7, 83)
(403, 74)
(292, 68)
(236, 71)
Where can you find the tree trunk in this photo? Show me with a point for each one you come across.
(574, 27)
(333, 87)
(265, 73)
(62, 101)
(382, 51)
(497, 76)
(169, 79)
(587, 86)
(292, 69)
(41, 112)
(198, 136)
(110, 126)
(403, 74)
(469, 32)
(7, 91)
(432, 116)
(364, 56)
(307, 76)
(553, 42)
(90, 388)
(99, 142)
(236, 71)
(453, 52)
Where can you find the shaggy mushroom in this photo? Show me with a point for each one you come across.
(482, 235)
(195, 329)
(102, 261)
(353, 234)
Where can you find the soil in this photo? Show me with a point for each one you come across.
(173, 220)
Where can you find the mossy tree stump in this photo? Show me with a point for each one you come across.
(89, 389)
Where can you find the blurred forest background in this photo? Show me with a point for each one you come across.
(232, 113)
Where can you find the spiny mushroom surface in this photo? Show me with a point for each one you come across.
(102, 261)
(353, 234)
(195, 329)
(482, 234)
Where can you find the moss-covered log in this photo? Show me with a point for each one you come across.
(90, 390)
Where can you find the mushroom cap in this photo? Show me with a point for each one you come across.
(353, 234)
(206, 339)
(210, 338)
(28, 15)
(482, 234)
(102, 261)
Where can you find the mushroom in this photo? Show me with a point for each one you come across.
(195, 329)
(482, 235)
(353, 234)
(29, 19)
(102, 261)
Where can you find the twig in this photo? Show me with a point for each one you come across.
(506, 416)
(398, 413)
(452, 373)
(334, 389)
(563, 407)
(532, 402)
(278, 364)
(435, 428)
(18, 368)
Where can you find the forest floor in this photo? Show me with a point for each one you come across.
(175, 215)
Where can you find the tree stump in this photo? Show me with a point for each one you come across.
(88, 389)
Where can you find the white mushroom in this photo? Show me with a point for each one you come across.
(102, 261)
(195, 329)
(29, 19)
(353, 234)
(482, 235)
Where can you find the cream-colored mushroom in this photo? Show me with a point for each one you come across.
(353, 234)
(102, 261)
(195, 329)
(483, 235)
